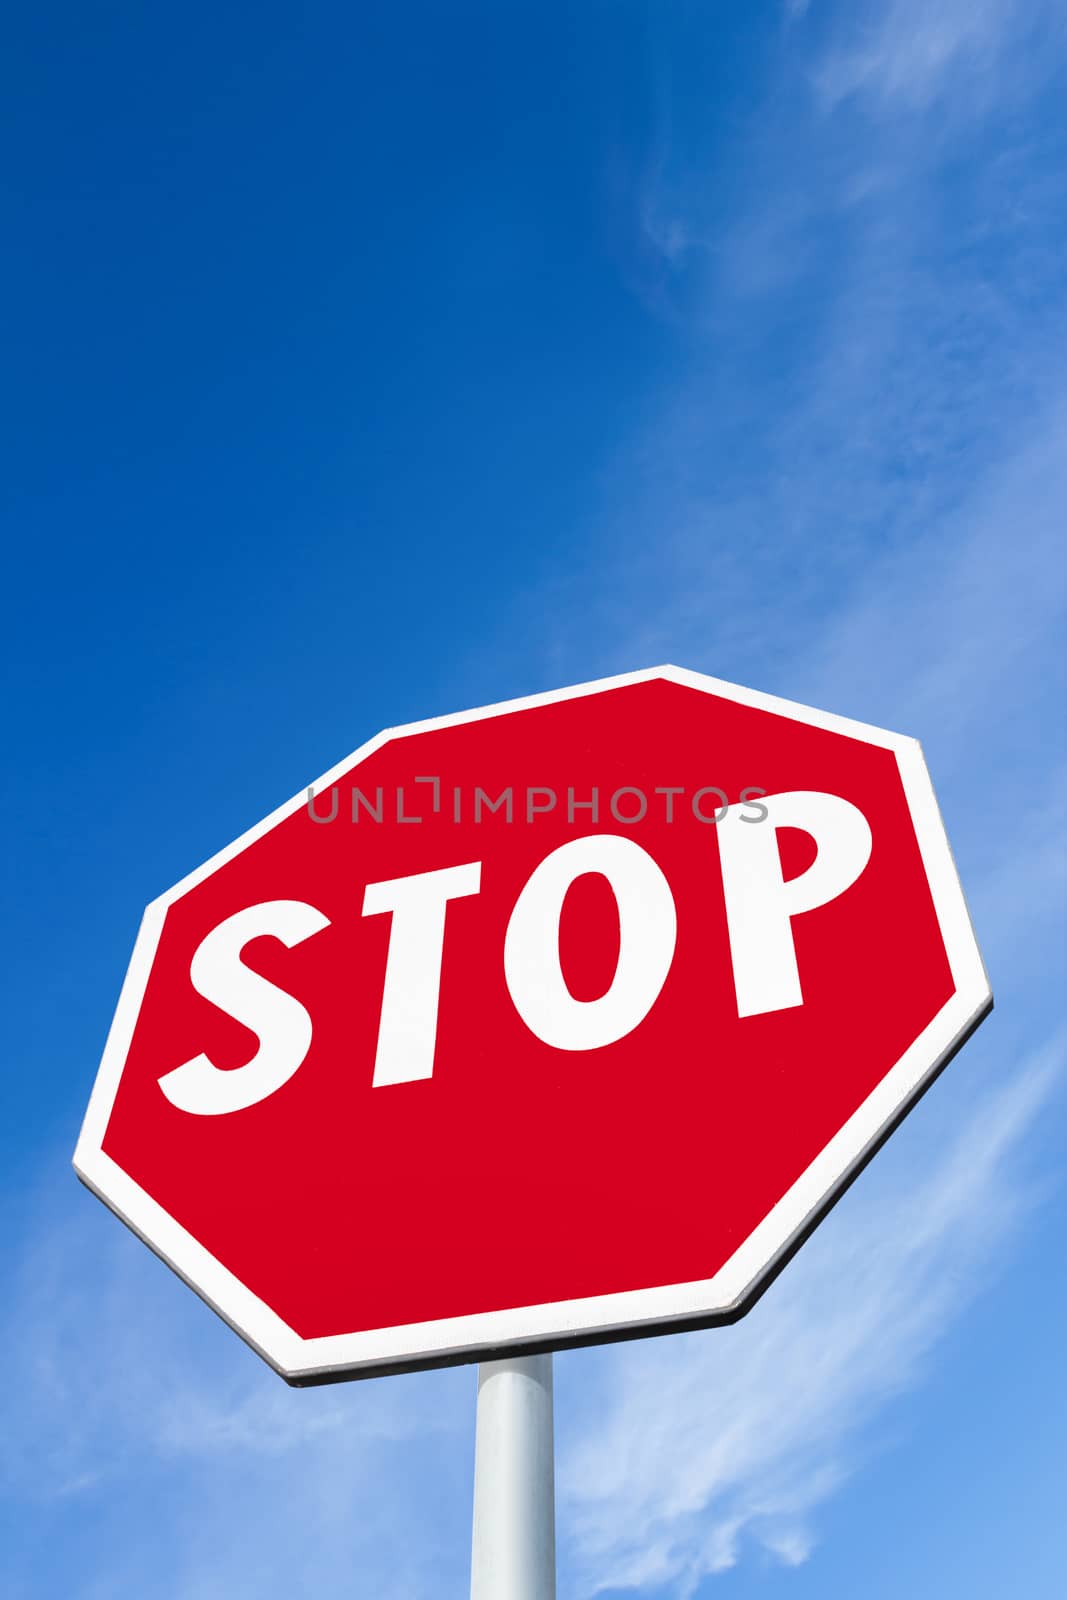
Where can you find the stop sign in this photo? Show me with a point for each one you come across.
(556, 1021)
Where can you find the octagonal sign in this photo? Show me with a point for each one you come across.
(557, 1021)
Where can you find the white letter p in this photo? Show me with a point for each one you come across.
(760, 904)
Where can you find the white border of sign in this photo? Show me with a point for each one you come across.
(722, 1298)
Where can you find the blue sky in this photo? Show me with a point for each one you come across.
(363, 365)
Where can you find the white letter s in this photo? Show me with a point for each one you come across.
(279, 1021)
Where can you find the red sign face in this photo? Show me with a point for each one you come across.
(535, 1024)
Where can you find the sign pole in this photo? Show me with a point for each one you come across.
(513, 1546)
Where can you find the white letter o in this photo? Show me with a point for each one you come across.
(648, 927)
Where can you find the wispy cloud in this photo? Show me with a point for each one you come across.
(119, 1382)
(909, 53)
(705, 1444)
(855, 489)
(872, 522)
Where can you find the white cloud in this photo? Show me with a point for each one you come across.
(203, 1475)
(908, 53)
(951, 631)
(874, 523)
(705, 1443)
(875, 520)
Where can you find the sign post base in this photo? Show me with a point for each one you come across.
(513, 1546)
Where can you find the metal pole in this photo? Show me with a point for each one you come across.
(513, 1548)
